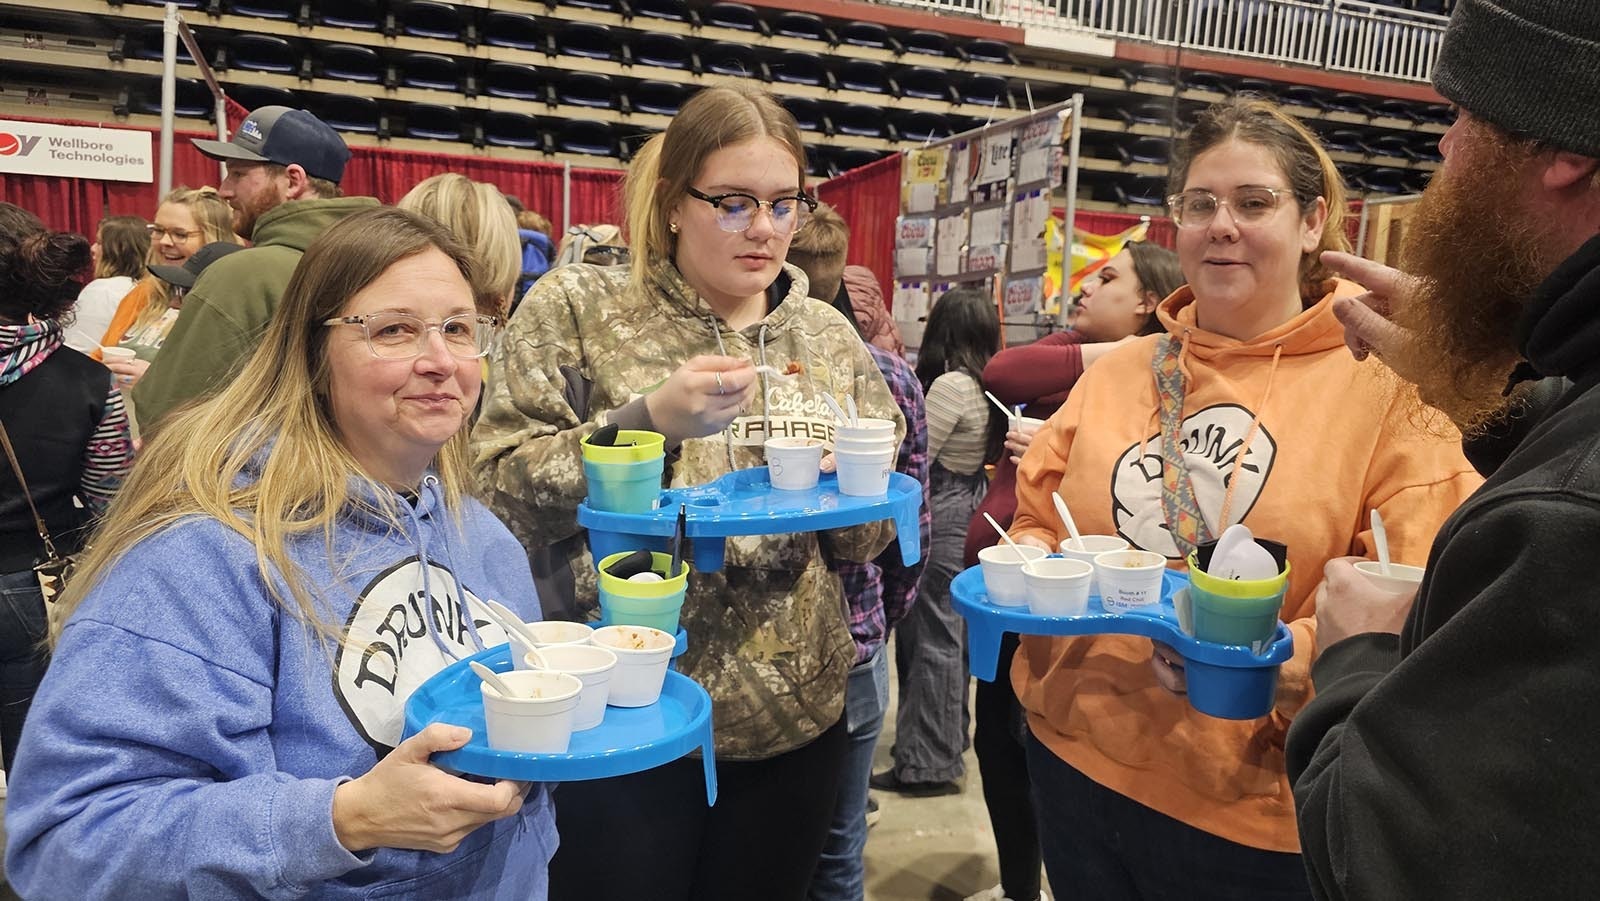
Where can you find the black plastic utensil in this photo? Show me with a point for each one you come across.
(632, 565)
(605, 436)
(677, 540)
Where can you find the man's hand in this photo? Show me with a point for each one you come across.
(1365, 317)
(1349, 603)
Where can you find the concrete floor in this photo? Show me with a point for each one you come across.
(929, 849)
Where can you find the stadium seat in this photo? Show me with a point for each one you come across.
(926, 83)
(847, 158)
(349, 62)
(800, 67)
(359, 14)
(260, 53)
(428, 19)
(590, 89)
(1302, 95)
(1425, 146)
(288, 10)
(1385, 180)
(985, 51)
(192, 99)
(734, 15)
(518, 31)
(505, 129)
(585, 136)
(518, 81)
(931, 43)
(347, 112)
(668, 51)
(808, 114)
(728, 58)
(586, 40)
(917, 125)
(430, 70)
(1152, 113)
(805, 26)
(1345, 140)
(987, 90)
(1140, 191)
(863, 75)
(432, 121)
(669, 10)
(144, 42)
(859, 119)
(662, 98)
(864, 34)
(255, 96)
(1390, 145)
(1144, 149)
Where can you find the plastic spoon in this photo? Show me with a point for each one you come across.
(1066, 519)
(515, 628)
(1380, 537)
(1015, 548)
(833, 405)
(490, 676)
(850, 407)
(1237, 556)
(777, 374)
(1009, 413)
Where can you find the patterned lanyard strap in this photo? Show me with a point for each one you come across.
(1178, 501)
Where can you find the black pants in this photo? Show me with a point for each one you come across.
(650, 834)
(22, 655)
(997, 737)
(1099, 844)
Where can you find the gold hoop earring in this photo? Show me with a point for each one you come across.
(672, 227)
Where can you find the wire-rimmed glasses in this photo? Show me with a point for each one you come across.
(1196, 207)
(402, 336)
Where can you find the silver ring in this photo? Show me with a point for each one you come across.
(720, 389)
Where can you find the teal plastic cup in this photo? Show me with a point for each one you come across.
(624, 487)
(653, 604)
(1235, 612)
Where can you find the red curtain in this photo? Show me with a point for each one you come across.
(77, 205)
(869, 200)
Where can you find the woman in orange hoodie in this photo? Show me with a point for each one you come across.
(1248, 409)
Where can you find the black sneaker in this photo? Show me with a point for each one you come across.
(873, 813)
(889, 782)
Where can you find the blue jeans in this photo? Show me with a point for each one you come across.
(22, 655)
(840, 874)
(1099, 844)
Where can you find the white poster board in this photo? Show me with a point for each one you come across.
(108, 154)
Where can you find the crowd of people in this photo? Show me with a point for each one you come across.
(281, 431)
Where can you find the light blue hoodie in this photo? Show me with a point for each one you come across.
(189, 734)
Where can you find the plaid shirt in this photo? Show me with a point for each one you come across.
(881, 592)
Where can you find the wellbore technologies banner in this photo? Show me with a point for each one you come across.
(114, 154)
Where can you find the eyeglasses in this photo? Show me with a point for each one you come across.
(178, 235)
(607, 255)
(402, 336)
(1196, 208)
(736, 212)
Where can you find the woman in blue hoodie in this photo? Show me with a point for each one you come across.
(287, 562)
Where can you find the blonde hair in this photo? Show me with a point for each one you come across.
(276, 416)
(819, 250)
(1308, 168)
(662, 169)
(532, 221)
(215, 219)
(479, 216)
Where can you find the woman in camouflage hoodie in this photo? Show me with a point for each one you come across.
(671, 344)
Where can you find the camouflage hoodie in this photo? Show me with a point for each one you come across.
(767, 634)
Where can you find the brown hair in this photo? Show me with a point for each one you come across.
(37, 270)
(1157, 271)
(819, 250)
(479, 217)
(124, 244)
(662, 169)
(1308, 168)
(532, 221)
(326, 190)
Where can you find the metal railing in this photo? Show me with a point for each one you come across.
(1344, 35)
(1373, 39)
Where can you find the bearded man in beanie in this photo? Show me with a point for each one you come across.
(1450, 750)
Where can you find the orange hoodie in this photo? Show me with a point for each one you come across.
(1334, 440)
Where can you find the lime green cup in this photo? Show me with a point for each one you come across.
(625, 478)
(652, 604)
(1230, 611)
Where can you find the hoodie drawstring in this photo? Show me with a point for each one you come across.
(431, 483)
(722, 350)
(1250, 435)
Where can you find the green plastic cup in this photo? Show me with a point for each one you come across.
(625, 478)
(1234, 611)
(653, 604)
(633, 446)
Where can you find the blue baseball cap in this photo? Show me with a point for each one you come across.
(285, 136)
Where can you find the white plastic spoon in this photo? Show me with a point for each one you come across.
(850, 407)
(1380, 537)
(1015, 548)
(838, 411)
(775, 373)
(1011, 414)
(1066, 519)
(517, 630)
(490, 676)
(1237, 556)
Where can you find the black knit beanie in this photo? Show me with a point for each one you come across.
(1531, 67)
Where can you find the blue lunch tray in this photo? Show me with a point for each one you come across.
(745, 503)
(1226, 681)
(628, 740)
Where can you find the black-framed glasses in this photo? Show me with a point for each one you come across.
(1196, 207)
(736, 211)
(402, 336)
(177, 234)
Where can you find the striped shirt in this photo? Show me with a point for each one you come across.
(958, 423)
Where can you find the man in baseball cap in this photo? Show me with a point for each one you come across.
(283, 171)
(1448, 750)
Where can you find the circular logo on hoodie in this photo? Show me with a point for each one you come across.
(397, 638)
(1211, 441)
